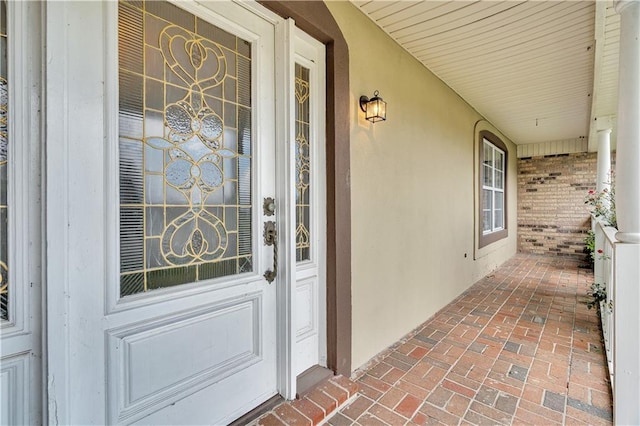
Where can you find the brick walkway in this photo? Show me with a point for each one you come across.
(519, 347)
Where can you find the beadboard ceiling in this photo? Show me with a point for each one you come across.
(527, 66)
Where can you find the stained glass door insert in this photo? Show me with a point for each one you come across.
(303, 164)
(185, 149)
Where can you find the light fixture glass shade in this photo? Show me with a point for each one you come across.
(376, 109)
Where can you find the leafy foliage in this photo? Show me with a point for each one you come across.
(603, 203)
(598, 293)
(590, 247)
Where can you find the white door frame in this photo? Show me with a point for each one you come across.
(21, 346)
(293, 45)
(285, 169)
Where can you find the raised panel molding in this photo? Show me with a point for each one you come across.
(306, 308)
(14, 392)
(142, 356)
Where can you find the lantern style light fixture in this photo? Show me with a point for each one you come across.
(375, 109)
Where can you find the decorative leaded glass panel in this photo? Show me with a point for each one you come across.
(303, 219)
(185, 148)
(4, 141)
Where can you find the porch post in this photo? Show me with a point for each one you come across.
(628, 146)
(604, 160)
(626, 287)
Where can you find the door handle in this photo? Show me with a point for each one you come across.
(271, 239)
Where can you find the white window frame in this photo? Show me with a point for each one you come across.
(493, 188)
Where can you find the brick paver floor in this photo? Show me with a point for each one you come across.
(518, 347)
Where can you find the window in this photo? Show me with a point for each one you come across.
(493, 178)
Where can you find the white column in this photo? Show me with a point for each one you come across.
(604, 160)
(626, 289)
(628, 142)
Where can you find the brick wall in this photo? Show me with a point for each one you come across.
(552, 216)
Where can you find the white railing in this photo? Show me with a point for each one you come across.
(617, 267)
(603, 274)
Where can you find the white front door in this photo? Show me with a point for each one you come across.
(161, 150)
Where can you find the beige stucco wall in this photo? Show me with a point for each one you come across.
(412, 191)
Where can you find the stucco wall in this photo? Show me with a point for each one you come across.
(413, 191)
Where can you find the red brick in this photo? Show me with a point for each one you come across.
(369, 392)
(579, 392)
(421, 368)
(435, 375)
(405, 348)
(309, 409)
(496, 415)
(408, 406)
(426, 384)
(418, 352)
(357, 407)
(350, 386)
(420, 419)
(541, 410)
(523, 416)
(334, 391)
(440, 396)
(511, 390)
(458, 388)
(392, 376)
(391, 398)
(369, 420)
(458, 405)
(414, 390)
(439, 414)
(379, 370)
(386, 415)
(570, 421)
(291, 416)
(586, 417)
(601, 399)
(461, 380)
(322, 400)
(270, 420)
(478, 373)
(533, 393)
(375, 383)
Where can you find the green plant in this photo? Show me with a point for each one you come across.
(598, 294)
(590, 247)
(603, 203)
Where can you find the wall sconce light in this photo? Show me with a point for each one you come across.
(375, 109)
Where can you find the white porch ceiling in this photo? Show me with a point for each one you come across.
(527, 66)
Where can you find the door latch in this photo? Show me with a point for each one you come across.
(270, 233)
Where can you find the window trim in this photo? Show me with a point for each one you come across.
(491, 237)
